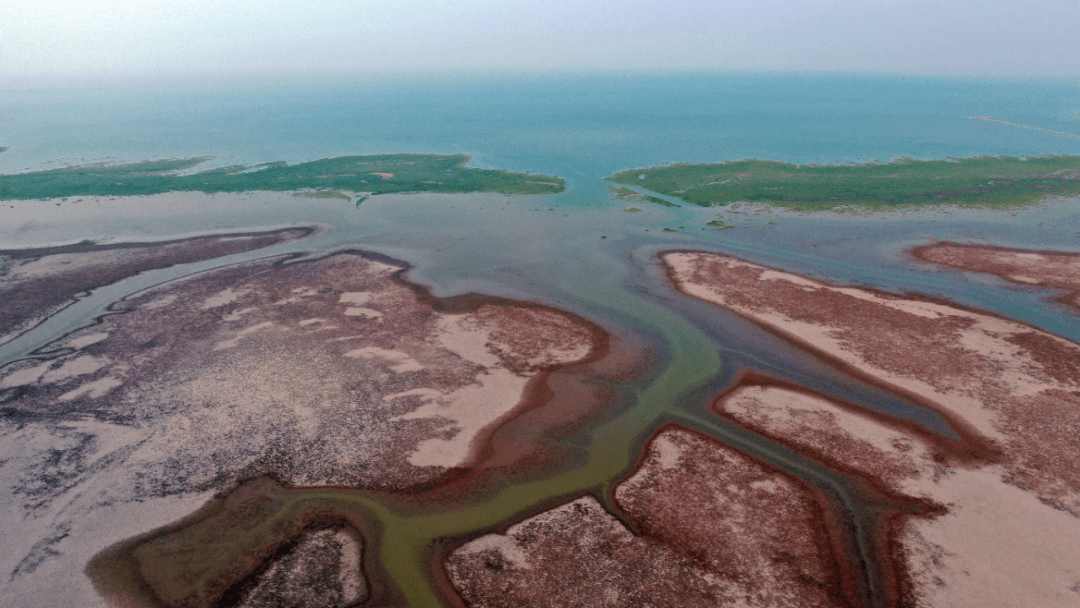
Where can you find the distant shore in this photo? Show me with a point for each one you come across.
(977, 181)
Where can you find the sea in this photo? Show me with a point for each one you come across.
(578, 250)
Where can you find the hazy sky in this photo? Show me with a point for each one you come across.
(61, 38)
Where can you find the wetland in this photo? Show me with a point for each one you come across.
(488, 396)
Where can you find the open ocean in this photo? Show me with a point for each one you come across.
(605, 122)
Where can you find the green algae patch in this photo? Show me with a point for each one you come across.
(376, 174)
(978, 181)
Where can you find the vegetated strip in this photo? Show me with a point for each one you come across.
(374, 174)
(982, 181)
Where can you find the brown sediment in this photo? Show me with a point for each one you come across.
(219, 554)
(709, 526)
(1008, 527)
(332, 372)
(36, 283)
(1022, 267)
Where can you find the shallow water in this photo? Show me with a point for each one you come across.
(579, 251)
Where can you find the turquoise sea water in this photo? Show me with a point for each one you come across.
(604, 122)
(549, 248)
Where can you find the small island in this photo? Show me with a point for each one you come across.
(376, 174)
(978, 181)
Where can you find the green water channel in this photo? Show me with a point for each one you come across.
(404, 547)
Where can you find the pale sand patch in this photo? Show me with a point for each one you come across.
(400, 362)
(162, 302)
(231, 342)
(228, 296)
(63, 263)
(84, 341)
(26, 376)
(668, 452)
(367, 313)
(298, 295)
(1019, 278)
(374, 267)
(469, 409)
(343, 338)
(463, 336)
(307, 322)
(1001, 546)
(352, 584)
(425, 394)
(769, 486)
(95, 389)
(355, 297)
(79, 366)
(776, 275)
(504, 544)
(237, 314)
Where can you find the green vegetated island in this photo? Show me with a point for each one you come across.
(377, 174)
(985, 181)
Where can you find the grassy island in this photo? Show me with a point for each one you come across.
(369, 174)
(989, 181)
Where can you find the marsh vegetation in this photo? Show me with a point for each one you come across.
(985, 181)
(376, 174)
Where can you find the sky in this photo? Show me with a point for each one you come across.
(86, 39)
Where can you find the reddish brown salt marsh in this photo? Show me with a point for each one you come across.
(708, 526)
(1022, 267)
(1008, 520)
